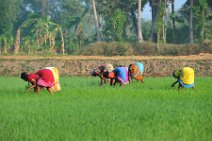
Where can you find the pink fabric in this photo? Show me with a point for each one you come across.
(43, 83)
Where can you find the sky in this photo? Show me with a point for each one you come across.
(146, 13)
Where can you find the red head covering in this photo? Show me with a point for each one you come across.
(32, 76)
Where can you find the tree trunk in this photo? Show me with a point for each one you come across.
(173, 20)
(5, 45)
(133, 16)
(0, 44)
(51, 40)
(28, 46)
(17, 42)
(163, 20)
(158, 31)
(191, 38)
(203, 20)
(53, 49)
(154, 7)
(79, 33)
(158, 40)
(62, 40)
(202, 28)
(140, 38)
(43, 3)
(96, 20)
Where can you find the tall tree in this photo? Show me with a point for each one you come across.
(9, 11)
(201, 10)
(162, 20)
(117, 24)
(43, 3)
(96, 20)
(107, 9)
(140, 37)
(191, 36)
(17, 41)
(158, 30)
(173, 19)
(155, 8)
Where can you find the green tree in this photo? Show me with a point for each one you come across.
(155, 10)
(9, 10)
(200, 14)
(107, 8)
(196, 13)
(117, 22)
(43, 32)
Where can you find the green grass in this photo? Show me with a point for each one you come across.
(85, 111)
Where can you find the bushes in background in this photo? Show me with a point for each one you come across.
(146, 48)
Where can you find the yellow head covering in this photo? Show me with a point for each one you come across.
(109, 67)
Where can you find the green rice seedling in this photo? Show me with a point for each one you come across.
(83, 110)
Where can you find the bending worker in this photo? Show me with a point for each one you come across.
(45, 78)
(185, 78)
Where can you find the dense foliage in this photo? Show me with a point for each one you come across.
(66, 26)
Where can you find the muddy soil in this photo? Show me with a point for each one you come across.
(81, 65)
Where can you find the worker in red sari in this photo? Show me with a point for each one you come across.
(41, 79)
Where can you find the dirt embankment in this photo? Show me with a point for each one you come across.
(81, 65)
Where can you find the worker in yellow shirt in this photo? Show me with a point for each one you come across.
(185, 78)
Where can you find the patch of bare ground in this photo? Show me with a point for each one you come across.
(201, 56)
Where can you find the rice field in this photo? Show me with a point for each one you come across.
(84, 111)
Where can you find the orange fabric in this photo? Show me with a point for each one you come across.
(139, 77)
(111, 75)
(133, 69)
(135, 72)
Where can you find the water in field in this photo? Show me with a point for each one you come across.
(85, 111)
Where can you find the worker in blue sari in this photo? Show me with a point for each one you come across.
(119, 75)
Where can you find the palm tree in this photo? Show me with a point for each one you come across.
(44, 32)
(140, 37)
(96, 20)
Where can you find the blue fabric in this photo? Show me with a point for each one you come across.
(186, 85)
(122, 73)
(140, 66)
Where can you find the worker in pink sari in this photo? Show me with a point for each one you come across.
(41, 79)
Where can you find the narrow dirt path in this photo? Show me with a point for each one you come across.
(202, 56)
